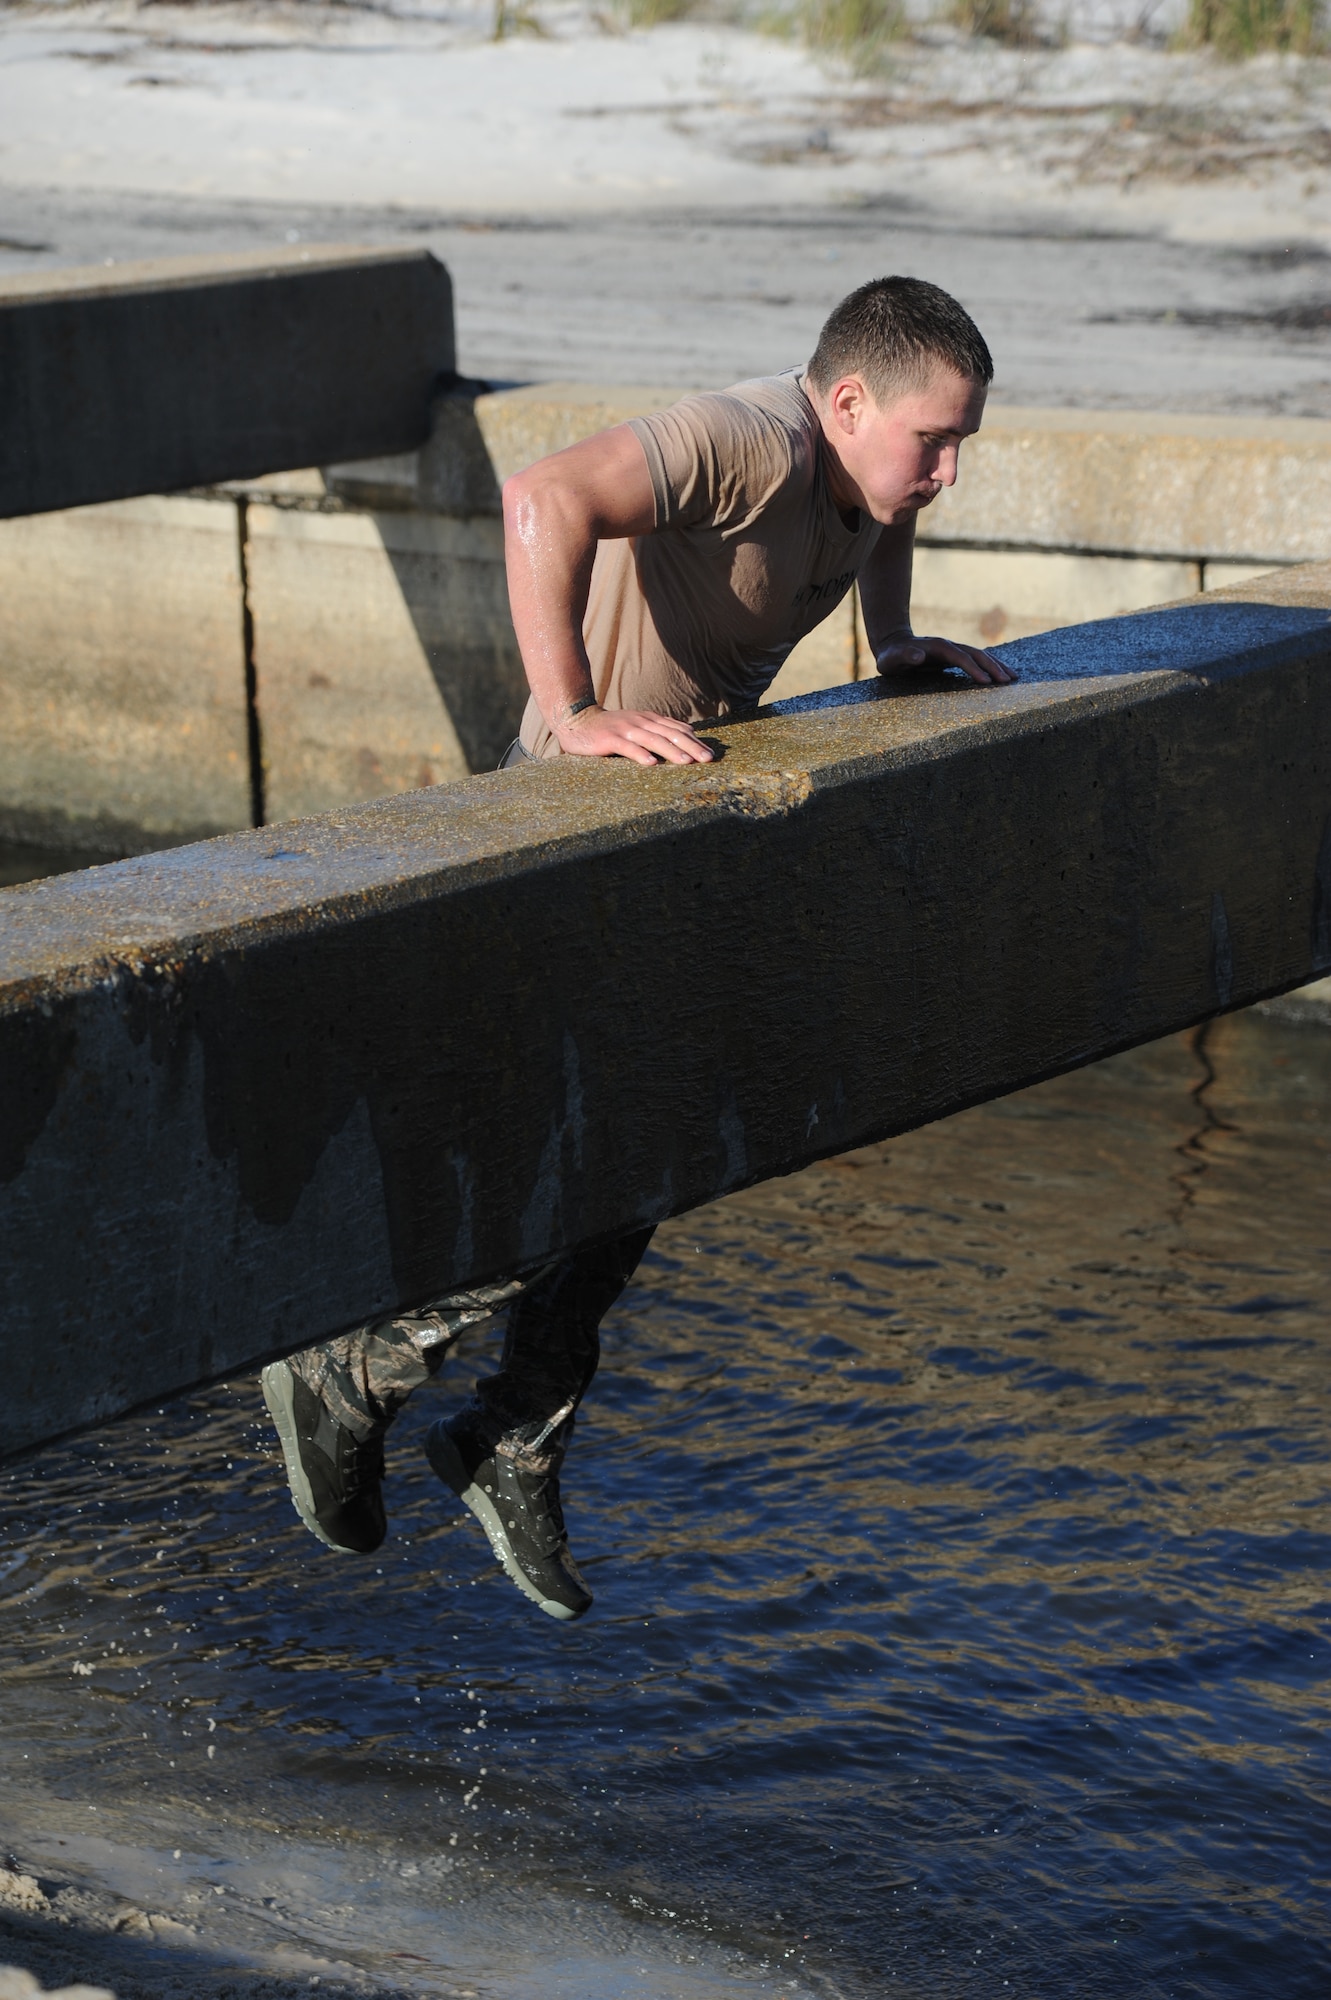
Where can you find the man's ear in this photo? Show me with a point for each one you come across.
(847, 402)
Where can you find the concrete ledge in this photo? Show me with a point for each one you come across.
(147, 378)
(256, 1089)
(1124, 483)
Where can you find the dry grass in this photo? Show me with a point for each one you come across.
(1238, 28)
(516, 17)
(1011, 21)
(648, 13)
(859, 29)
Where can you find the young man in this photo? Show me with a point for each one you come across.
(659, 574)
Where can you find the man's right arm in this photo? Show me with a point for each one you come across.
(555, 513)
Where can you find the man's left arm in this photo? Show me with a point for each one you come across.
(885, 595)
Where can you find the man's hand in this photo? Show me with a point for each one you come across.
(631, 733)
(904, 654)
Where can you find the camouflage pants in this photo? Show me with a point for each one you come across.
(551, 1349)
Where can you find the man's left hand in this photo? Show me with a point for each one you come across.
(905, 654)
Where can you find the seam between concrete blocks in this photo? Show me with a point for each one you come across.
(253, 723)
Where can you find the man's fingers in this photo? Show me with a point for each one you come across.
(944, 650)
(676, 745)
(641, 738)
(681, 749)
(983, 668)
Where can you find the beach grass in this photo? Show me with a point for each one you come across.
(858, 29)
(1011, 21)
(1238, 28)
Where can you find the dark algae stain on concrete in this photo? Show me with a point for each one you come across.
(36, 1049)
(1321, 938)
(287, 1052)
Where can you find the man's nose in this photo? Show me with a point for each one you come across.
(946, 470)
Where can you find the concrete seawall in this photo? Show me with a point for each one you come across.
(259, 1088)
(312, 639)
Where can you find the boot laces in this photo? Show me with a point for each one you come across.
(540, 1494)
(360, 1463)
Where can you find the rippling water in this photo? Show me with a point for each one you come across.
(958, 1515)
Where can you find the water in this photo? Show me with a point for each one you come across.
(958, 1514)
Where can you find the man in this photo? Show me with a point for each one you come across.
(658, 574)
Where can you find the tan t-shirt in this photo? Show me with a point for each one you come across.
(749, 554)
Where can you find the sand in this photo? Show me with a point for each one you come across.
(376, 105)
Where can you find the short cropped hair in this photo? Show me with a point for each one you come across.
(893, 333)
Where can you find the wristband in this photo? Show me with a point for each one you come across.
(576, 707)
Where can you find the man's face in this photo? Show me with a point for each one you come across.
(893, 460)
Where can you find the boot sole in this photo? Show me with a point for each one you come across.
(277, 1383)
(446, 1460)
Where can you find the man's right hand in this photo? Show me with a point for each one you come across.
(633, 733)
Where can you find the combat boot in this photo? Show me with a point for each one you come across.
(519, 1508)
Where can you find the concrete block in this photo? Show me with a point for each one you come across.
(518, 426)
(385, 1052)
(1131, 483)
(477, 440)
(984, 596)
(122, 676)
(150, 377)
(384, 655)
(386, 652)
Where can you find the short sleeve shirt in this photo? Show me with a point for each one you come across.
(749, 553)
